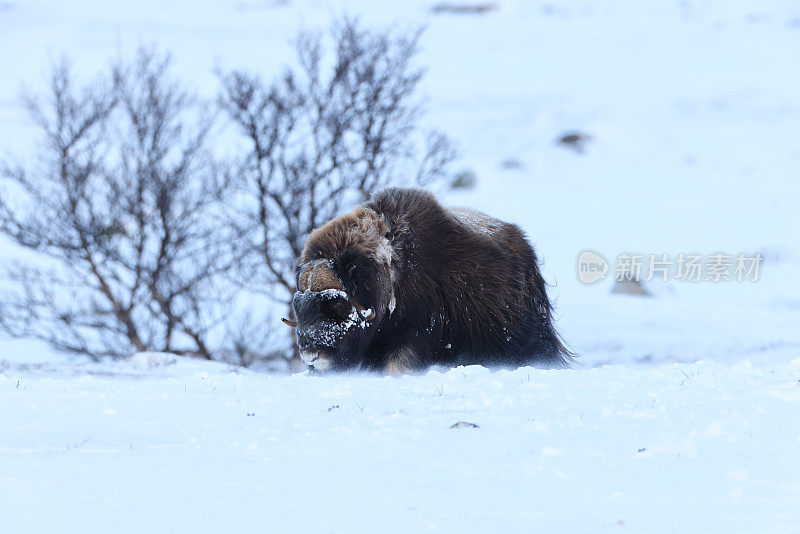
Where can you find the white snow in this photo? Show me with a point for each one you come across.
(330, 294)
(682, 414)
(674, 448)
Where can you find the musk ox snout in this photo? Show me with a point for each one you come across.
(314, 308)
(325, 317)
(324, 311)
(321, 304)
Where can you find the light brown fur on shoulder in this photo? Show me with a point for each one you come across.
(361, 230)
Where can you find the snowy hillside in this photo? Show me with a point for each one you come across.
(682, 412)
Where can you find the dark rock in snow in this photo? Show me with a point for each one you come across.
(464, 424)
(630, 287)
(511, 164)
(453, 8)
(575, 141)
(464, 180)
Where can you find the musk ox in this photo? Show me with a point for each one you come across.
(402, 283)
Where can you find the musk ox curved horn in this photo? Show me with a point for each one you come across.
(364, 313)
(288, 322)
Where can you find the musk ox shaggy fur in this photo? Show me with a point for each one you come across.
(402, 283)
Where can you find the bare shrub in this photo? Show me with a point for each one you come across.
(137, 238)
(118, 214)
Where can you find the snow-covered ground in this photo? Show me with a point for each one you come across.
(156, 446)
(684, 411)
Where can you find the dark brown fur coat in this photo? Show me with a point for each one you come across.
(402, 283)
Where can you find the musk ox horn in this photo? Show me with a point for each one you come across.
(362, 311)
(320, 277)
(324, 278)
(288, 322)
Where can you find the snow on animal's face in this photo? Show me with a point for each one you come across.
(335, 307)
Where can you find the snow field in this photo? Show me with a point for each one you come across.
(675, 448)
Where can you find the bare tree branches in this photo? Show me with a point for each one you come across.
(323, 139)
(122, 205)
(139, 238)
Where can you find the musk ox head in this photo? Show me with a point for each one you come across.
(344, 289)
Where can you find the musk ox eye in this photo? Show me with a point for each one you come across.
(352, 273)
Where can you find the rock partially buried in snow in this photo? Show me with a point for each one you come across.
(575, 141)
(464, 424)
(466, 8)
(630, 287)
(464, 180)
